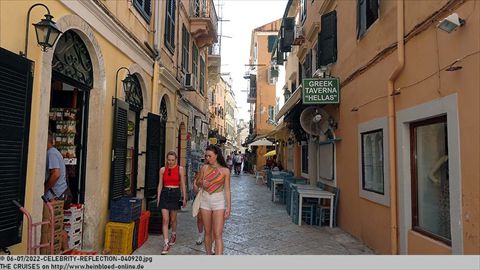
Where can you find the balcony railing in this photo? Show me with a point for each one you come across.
(204, 22)
(214, 50)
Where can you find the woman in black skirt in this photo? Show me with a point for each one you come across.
(169, 197)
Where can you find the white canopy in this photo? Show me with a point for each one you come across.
(261, 142)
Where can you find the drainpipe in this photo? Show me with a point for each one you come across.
(391, 127)
(156, 68)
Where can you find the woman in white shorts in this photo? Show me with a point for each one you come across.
(216, 199)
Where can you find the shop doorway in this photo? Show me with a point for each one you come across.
(72, 80)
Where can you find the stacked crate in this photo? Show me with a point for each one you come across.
(155, 223)
(73, 225)
(143, 228)
(121, 231)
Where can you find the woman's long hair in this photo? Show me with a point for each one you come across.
(218, 152)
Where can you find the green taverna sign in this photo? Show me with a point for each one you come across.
(321, 91)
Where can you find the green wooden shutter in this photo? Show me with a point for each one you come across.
(271, 42)
(15, 103)
(152, 165)
(327, 40)
(119, 153)
(144, 7)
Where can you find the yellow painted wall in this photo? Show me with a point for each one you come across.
(14, 12)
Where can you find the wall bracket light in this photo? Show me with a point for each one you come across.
(46, 31)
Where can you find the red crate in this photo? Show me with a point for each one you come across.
(143, 228)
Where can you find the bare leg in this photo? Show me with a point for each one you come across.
(173, 217)
(207, 223)
(199, 223)
(165, 220)
(218, 222)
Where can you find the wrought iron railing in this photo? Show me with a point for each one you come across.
(204, 9)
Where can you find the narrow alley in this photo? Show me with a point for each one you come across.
(258, 227)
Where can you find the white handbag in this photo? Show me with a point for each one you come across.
(196, 203)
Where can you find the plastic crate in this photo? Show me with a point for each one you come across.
(125, 209)
(73, 228)
(75, 241)
(119, 237)
(135, 235)
(143, 228)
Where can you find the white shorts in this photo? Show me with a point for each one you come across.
(215, 201)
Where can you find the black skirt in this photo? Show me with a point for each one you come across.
(170, 198)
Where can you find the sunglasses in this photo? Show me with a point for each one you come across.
(169, 172)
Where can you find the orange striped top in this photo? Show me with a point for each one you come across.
(213, 181)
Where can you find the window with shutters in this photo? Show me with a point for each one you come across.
(271, 114)
(367, 14)
(170, 25)
(185, 48)
(195, 60)
(144, 7)
(119, 158)
(303, 10)
(202, 76)
(152, 165)
(307, 66)
(271, 42)
(15, 102)
(327, 40)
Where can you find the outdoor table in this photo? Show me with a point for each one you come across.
(275, 182)
(306, 192)
(303, 187)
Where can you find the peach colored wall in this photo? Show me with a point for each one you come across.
(265, 92)
(418, 244)
(366, 220)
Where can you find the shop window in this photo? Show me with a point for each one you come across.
(305, 158)
(372, 161)
(144, 7)
(15, 102)
(367, 14)
(170, 25)
(430, 178)
(185, 48)
(374, 183)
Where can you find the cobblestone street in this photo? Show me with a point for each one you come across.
(258, 227)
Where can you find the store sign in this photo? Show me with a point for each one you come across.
(212, 140)
(321, 91)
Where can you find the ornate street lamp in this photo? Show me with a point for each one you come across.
(46, 30)
(129, 82)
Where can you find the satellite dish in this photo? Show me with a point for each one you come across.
(314, 120)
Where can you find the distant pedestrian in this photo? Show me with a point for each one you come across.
(171, 186)
(215, 205)
(229, 163)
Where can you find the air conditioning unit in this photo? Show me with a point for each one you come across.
(272, 75)
(299, 37)
(190, 82)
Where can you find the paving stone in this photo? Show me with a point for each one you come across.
(258, 227)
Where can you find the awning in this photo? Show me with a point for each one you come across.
(261, 142)
(270, 153)
(291, 102)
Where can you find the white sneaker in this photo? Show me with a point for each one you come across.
(199, 239)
